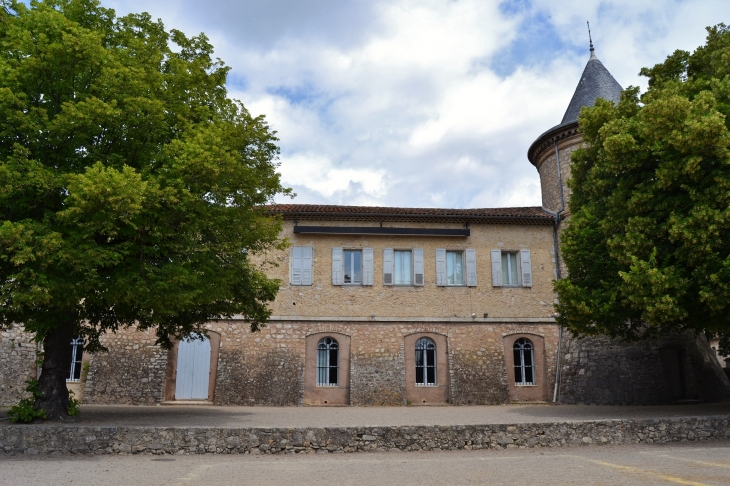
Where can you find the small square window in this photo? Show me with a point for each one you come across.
(510, 271)
(403, 267)
(353, 267)
(454, 268)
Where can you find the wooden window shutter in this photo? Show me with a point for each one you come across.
(441, 267)
(367, 266)
(526, 264)
(388, 266)
(471, 268)
(296, 265)
(337, 275)
(497, 268)
(306, 265)
(418, 267)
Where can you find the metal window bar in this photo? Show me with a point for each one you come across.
(524, 362)
(327, 362)
(77, 352)
(425, 362)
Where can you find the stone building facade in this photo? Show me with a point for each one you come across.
(399, 306)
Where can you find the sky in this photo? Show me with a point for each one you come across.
(423, 103)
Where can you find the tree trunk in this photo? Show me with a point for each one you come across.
(55, 369)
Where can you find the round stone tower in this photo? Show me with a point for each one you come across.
(550, 153)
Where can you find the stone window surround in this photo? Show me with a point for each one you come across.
(171, 367)
(527, 393)
(420, 395)
(326, 395)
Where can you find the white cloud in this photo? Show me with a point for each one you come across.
(398, 103)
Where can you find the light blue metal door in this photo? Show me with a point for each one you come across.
(193, 370)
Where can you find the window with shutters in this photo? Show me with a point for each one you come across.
(77, 352)
(454, 268)
(524, 362)
(511, 268)
(425, 362)
(328, 354)
(353, 267)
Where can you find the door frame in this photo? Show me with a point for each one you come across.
(171, 367)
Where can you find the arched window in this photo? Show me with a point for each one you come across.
(328, 354)
(77, 352)
(524, 362)
(425, 362)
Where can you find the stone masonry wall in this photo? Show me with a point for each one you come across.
(50, 439)
(346, 301)
(604, 371)
(131, 372)
(17, 364)
(547, 168)
(267, 367)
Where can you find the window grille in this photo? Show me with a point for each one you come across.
(77, 352)
(524, 362)
(327, 362)
(425, 362)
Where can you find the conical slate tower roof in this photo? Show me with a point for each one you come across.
(596, 82)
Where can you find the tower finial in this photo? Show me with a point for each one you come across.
(593, 55)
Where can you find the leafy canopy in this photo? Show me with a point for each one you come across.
(129, 181)
(648, 243)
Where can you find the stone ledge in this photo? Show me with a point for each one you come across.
(58, 439)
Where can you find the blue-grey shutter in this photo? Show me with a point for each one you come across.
(337, 275)
(471, 268)
(418, 267)
(296, 265)
(526, 267)
(306, 265)
(367, 266)
(441, 267)
(388, 266)
(497, 268)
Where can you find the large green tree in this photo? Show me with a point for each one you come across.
(129, 183)
(648, 243)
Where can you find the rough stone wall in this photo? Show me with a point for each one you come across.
(547, 168)
(267, 367)
(377, 375)
(378, 380)
(50, 439)
(324, 299)
(131, 372)
(17, 364)
(270, 378)
(604, 371)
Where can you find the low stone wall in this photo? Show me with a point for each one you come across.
(51, 439)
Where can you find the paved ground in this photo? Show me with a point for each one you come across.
(688, 464)
(232, 417)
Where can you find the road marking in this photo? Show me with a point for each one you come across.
(704, 463)
(645, 472)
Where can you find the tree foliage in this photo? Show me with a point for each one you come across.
(129, 182)
(648, 243)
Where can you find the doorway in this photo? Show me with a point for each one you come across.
(193, 369)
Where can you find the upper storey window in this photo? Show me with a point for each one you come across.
(352, 266)
(455, 268)
(511, 268)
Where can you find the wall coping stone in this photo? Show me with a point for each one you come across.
(487, 320)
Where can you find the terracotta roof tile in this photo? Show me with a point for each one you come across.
(525, 215)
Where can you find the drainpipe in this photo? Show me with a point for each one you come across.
(556, 249)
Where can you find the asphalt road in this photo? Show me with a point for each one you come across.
(688, 463)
